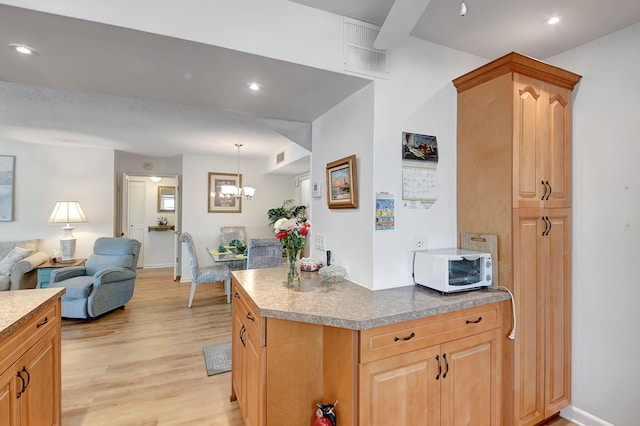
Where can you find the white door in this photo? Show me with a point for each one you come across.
(135, 214)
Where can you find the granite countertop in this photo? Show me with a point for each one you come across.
(349, 305)
(19, 306)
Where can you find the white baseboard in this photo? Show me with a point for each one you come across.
(582, 418)
(158, 265)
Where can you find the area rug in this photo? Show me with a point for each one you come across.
(217, 358)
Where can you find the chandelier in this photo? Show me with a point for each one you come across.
(233, 191)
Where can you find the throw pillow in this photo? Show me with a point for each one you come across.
(14, 256)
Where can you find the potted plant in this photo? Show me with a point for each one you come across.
(287, 210)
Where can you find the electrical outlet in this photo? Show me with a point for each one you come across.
(418, 243)
(319, 242)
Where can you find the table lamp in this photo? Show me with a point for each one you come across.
(67, 212)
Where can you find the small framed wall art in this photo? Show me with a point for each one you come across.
(7, 187)
(218, 203)
(342, 184)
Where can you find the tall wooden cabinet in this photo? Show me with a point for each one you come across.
(514, 181)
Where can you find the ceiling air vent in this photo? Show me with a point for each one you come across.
(279, 157)
(358, 54)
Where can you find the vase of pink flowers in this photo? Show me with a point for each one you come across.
(292, 234)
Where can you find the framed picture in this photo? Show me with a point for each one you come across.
(342, 184)
(7, 187)
(419, 147)
(216, 202)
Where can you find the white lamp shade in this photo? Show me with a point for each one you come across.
(67, 212)
(229, 190)
(249, 191)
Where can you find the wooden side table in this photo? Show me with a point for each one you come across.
(44, 270)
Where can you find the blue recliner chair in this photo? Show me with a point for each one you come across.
(104, 283)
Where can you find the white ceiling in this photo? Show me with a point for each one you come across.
(96, 84)
(200, 102)
(492, 28)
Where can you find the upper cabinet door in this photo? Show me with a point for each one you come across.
(557, 150)
(541, 144)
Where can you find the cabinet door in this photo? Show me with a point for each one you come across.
(254, 383)
(237, 348)
(41, 397)
(528, 372)
(541, 144)
(558, 311)
(9, 386)
(557, 147)
(471, 380)
(403, 390)
(528, 155)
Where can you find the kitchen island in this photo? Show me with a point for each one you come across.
(30, 356)
(376, 352)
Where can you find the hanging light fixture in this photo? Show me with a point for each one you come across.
(233, 191)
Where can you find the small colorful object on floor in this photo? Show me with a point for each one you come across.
(325, 416)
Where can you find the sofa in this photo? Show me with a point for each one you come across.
(18, 263)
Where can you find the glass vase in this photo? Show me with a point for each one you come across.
(293, 268)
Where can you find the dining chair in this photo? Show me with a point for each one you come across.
(230, 233)
(205, 274)
(264, 253)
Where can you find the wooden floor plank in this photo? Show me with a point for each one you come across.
(143, 365)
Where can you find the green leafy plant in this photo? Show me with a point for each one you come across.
(287, 210)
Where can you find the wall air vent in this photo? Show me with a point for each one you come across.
(279, 157)
(358, 53)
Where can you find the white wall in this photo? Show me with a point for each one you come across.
(271, 191)
(418, 97)
(345, 130)
(606, 229)
(46, 174)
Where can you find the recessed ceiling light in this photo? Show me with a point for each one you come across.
(255, 86)
(23, 48)
(553, 20)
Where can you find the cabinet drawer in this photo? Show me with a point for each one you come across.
(249, 314)
(29, 333)
(389, 340)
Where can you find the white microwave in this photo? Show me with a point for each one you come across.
(452, 270)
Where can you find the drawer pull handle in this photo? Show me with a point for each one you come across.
(446, 363)
(250, 317)
(24, 369)
(439, 367)
(236, 295)
(411, 336)
(46, 321)
(549, 194)
(474, 322)
(241, 339)
(23, 385)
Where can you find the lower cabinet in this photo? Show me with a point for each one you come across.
(439, 370)
(30, 386)
(401, 390)
(452, 382)
(247, 360)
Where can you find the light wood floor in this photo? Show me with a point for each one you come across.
(143, 365)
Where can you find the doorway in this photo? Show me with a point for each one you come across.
(150, 212)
